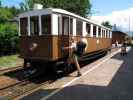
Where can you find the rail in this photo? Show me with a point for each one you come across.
(5, 70)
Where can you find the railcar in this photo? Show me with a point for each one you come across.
(119, 36)
(44, 32)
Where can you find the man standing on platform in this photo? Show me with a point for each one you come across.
(77, 49)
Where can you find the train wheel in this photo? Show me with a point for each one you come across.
(37, 69)
(68, 67)
(57, 67)
(26, 64)
(62, 68)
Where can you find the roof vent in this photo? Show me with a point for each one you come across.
(38, 6)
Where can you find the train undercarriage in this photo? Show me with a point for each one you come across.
(61, 67)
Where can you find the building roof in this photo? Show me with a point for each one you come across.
(119, 32)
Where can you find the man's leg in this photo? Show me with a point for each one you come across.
(77, 65)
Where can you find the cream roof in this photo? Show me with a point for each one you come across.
(56, 10)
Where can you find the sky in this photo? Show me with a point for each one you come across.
(119, 12)
(104, 7)
(11, 2)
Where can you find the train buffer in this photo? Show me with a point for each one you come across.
(109, 78)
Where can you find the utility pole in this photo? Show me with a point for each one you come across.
(130, 32)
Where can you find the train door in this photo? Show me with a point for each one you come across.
(65, 33)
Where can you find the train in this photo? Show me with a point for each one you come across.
(119, 36)
(43, 33)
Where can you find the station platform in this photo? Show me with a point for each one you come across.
(109, 78)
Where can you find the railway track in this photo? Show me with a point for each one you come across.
(11, 78)
(22, 87)
(5, 70)
(14, 84)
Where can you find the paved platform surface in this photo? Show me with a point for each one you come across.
(110, 78)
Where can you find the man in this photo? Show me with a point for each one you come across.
(77, 49)
(123, 49)
(116, 43)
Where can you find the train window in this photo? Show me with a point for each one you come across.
(102, 33)
(94, 31)
(65, 25)
(88, 27)
(107, 33)
(71, 26)
(23, 26)
(59, 30)
(99, 31)
(46, 24)
(79, 27)
(34, 25)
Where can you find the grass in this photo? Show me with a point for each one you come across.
(10, 61)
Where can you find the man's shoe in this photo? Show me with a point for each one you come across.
(79, 74)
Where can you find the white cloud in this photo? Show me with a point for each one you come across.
(120, 18)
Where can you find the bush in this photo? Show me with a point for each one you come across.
(8, 38)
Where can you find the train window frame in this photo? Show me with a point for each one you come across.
(23, 26)
(44, 24)
(78, 28)
(99, 31)
(94, 30)
(109, 34)
(60, 29)
(66, 25)
(103, 33)
(89, 29)
(69, 26)
(34, 21)
(106, 33)
(59, 25)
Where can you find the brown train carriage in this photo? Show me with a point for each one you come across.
(118, 36)
(44, 32)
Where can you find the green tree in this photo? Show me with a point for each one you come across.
(0, 3)
(107, 24)
(8, 35)
(8, 31)
(14, 11)
(80, 7)
(26, 5)
(5, 14)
